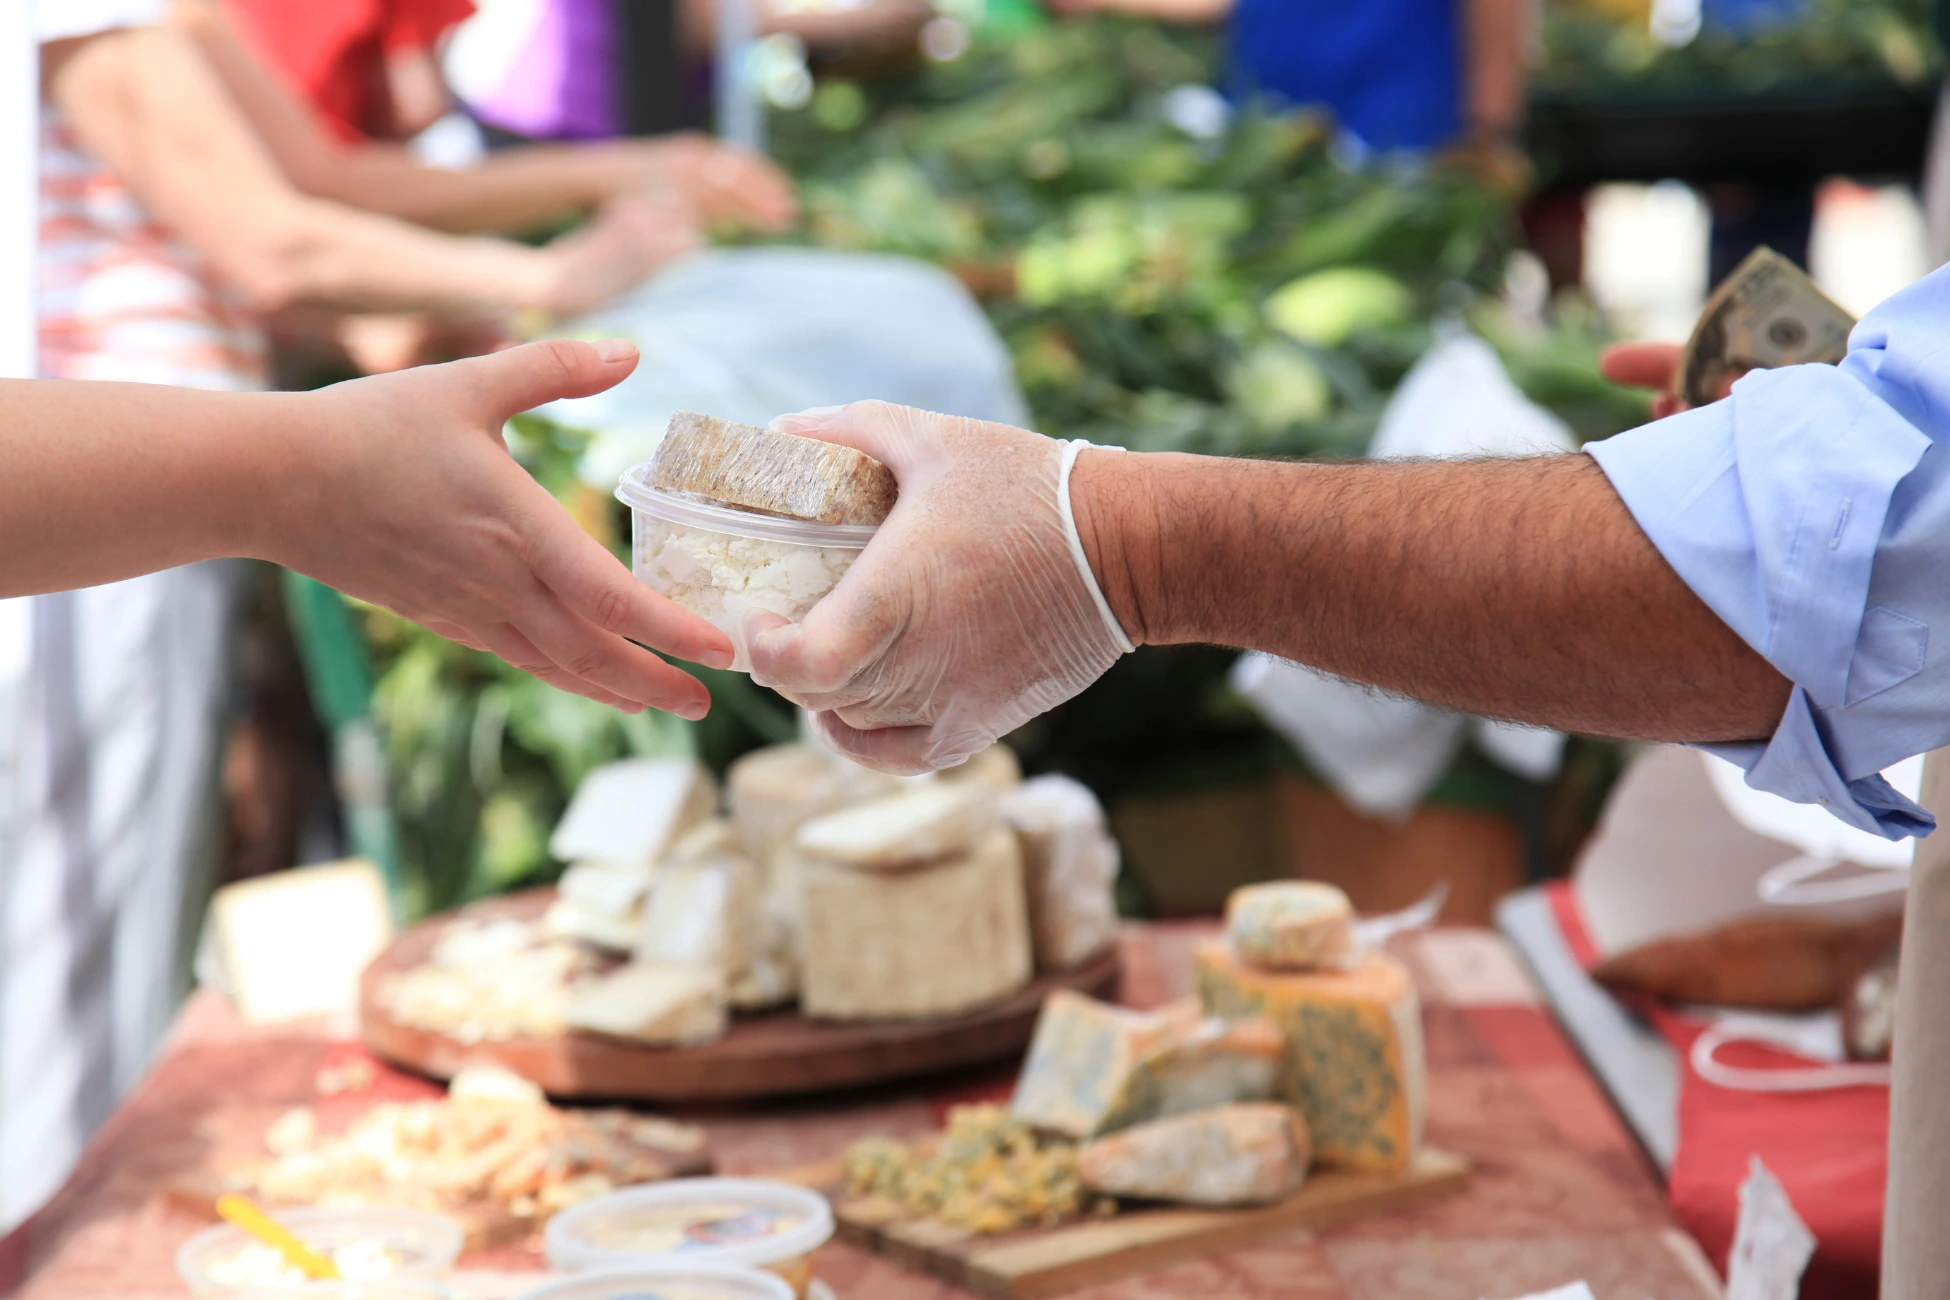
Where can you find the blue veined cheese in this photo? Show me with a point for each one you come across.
(1247, 1153)
(1354, 1064)
(1213, 1063)
(1080, 1060)
(1292, 925)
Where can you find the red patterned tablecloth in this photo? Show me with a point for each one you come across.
(1560, 1191)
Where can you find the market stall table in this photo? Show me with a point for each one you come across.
(1559, 1190)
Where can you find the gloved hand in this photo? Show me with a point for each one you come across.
(971, 611)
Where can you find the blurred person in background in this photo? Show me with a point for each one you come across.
(185, 194)
(1399, 75)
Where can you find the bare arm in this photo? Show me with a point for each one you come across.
(511, 191)
(149, 106)
(396, 489)
(1520, 589)
(1496, 40)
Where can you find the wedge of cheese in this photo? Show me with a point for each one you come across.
(771, 473)
(665, 1006)
(704, 904)
(629, 813)
(1292, 925)
(568, 920)
(1080, 1062)
(1354, 1065)
(1213, 1064)
(928, 822)
(770, 792)
(929, 941)
(1248, 1153)
(1070, 863)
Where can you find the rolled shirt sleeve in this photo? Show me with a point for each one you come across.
(1811, 511)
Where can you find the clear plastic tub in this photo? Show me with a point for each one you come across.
(722, 563)
(740, 1222)
(377, 1243)
(695, 1283)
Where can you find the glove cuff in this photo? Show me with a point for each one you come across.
(1067, 463)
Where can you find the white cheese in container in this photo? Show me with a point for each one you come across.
(723, 563)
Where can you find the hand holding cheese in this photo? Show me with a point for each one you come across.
(969, 613)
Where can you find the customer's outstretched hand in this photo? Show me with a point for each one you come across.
(401, 491)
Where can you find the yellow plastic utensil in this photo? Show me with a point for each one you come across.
(246, 1214)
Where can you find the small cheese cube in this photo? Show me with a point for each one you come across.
(1292, 925)
(1070, 863)
(936, 939)
(771, 473)
(628, 813)
(1248, 1153)
(930, 821)
(661, 1005)
(1080, 1060)
(1213, 1064)
(1354, 1066)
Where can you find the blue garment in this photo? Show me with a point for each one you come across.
(1811, 511)
(1390, 70)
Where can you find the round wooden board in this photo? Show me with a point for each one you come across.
(775, 1054)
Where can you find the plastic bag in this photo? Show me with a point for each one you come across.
(746, 334)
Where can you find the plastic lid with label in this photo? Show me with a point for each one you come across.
(745, 1222)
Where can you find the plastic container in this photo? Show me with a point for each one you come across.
(699, 1282)
(737, 1222)
(398, 1288)
(722, 563)
(368, 1244)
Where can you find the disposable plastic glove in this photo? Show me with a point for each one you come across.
(971, 611)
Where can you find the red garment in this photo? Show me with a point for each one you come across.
(1829, 1149)
(332, 53)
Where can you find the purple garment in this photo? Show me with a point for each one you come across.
(562, 86)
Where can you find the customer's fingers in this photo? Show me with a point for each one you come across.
(504, 383)
(453, 632)
(594, 586)
(603, 659)
(507, 643)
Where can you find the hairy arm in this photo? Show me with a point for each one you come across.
(1520, 589)
(148, 104)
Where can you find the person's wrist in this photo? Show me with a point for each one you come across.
(1111, 500)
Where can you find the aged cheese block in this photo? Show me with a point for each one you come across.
(1080, 1061)
(939, 938)
(932, 820)
(569, 920)
(1070, 863)
(996, 767)
(771, 791)
(1247, 1153)
(704, 904)
(1354, 1065)
(1291, 925)
(771, 473)
(628, 813)
(661, 1005)
(1215, 1063)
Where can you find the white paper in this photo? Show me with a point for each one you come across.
(1771, 1246)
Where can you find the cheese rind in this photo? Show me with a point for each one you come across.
(771, 473)
(939, 938)
(1070, 863)
(1214, 1064)
(665, 1006)
(1292, 925)
(1354, 1064)
(1080, 1060)
(931, 821)
(1248, 1153)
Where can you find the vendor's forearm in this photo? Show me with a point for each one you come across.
(1519, 589)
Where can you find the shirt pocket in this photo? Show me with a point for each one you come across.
(1890, 650)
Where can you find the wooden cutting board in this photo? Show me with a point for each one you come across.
(1049, 1261)
(775, 1054)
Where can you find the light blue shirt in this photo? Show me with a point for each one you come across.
(1811, 511)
